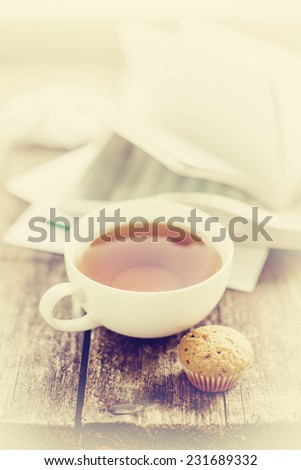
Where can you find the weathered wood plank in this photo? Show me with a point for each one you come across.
(129, 436)
(147, 372)
(39, 366)
(270, 392)
(139, 371)
(24, 436)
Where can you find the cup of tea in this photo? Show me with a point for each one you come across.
(142, 268)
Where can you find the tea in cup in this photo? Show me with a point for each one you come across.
(144, 269)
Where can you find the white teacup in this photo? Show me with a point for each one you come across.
(135, 313)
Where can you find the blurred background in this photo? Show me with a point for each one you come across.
(222, 76)
(82, 43)
(70, 33)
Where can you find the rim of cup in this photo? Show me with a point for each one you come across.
(70, 257)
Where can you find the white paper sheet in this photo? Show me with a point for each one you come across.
(50, 182)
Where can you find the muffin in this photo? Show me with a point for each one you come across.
(214, 357)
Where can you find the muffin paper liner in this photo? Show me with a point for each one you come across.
(214, 383)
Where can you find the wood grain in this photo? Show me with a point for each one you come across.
(271, 318)
(128, 436)
(39, 366)
(147, 372)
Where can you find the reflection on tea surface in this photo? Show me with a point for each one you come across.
(150, 258)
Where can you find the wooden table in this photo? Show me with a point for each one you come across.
(59, 390)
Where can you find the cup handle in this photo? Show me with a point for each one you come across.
(49, 300)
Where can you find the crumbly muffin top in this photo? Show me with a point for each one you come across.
(215, 350)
